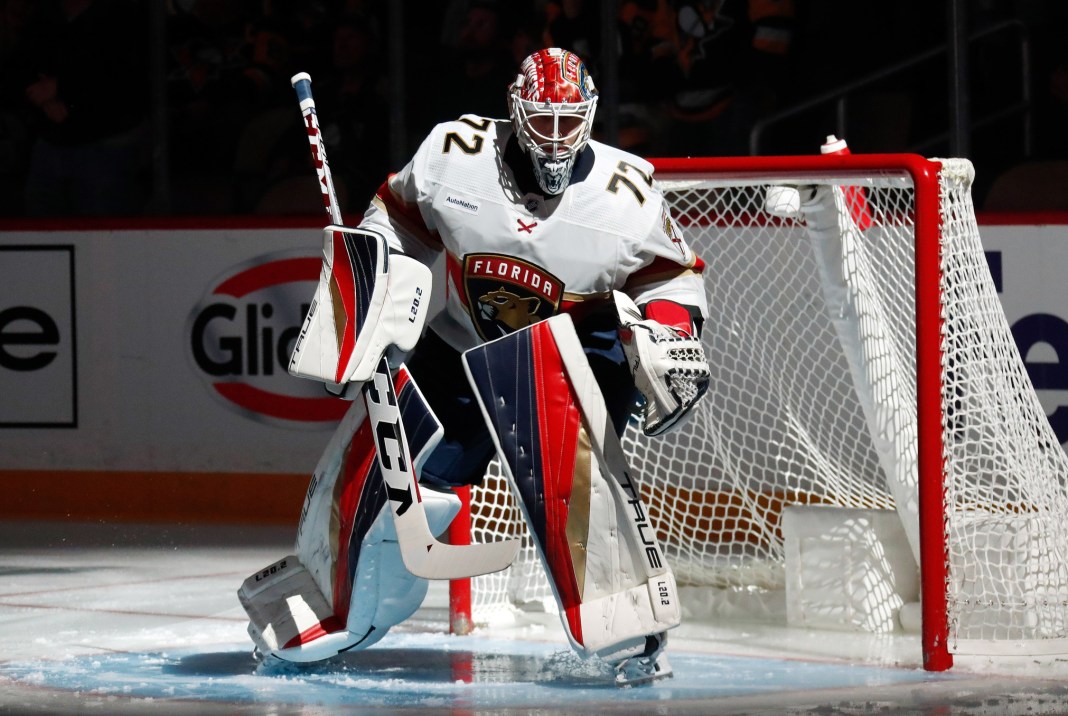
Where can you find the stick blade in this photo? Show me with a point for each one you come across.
(426, 557)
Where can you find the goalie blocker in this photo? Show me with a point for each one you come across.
(367, 301)
(564, 460)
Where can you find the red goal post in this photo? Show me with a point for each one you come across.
(861, 360)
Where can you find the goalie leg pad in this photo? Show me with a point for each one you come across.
(286, 609)
(384, 593)
(291, 619)
(347, 492)
(545, 410)
(342, 517)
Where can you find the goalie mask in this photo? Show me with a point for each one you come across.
(551, 104)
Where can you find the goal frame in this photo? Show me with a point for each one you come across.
(924, 174)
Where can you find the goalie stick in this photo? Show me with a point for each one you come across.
(302, 84)
(423, 555)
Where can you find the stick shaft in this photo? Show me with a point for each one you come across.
(302, 84)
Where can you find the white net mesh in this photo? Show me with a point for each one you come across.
(812, 345)
(1006, 471)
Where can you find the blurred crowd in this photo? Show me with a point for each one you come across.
(126, 108)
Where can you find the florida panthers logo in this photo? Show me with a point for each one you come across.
(505, 307)
(505, 294)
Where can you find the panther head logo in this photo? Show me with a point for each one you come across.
(503, 294)
(507, 308)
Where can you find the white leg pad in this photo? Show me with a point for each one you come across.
(288, 613)
(385, 593)
(548, 418)
(634, 611)
(292, 620)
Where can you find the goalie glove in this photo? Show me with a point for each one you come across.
(670, 370)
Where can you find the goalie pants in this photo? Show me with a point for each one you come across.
(466, 449)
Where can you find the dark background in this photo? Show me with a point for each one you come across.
(184, 107)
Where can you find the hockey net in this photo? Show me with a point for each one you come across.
(860, 358)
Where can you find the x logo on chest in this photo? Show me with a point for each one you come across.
(529, 228)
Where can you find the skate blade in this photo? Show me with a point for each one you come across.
(639, 672)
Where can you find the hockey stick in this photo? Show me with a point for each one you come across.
(423, 555)
(302, 84)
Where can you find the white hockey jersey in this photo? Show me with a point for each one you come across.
(514, 256)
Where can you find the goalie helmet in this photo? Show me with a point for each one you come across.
(551, 104)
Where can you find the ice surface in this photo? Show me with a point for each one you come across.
(120, 619)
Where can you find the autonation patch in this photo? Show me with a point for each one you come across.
(38, 385)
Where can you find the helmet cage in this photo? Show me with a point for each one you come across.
(553, 130)
(552, 134)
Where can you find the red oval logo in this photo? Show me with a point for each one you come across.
(241, 335)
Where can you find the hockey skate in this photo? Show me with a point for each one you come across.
(641, 670)
(646, 667)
